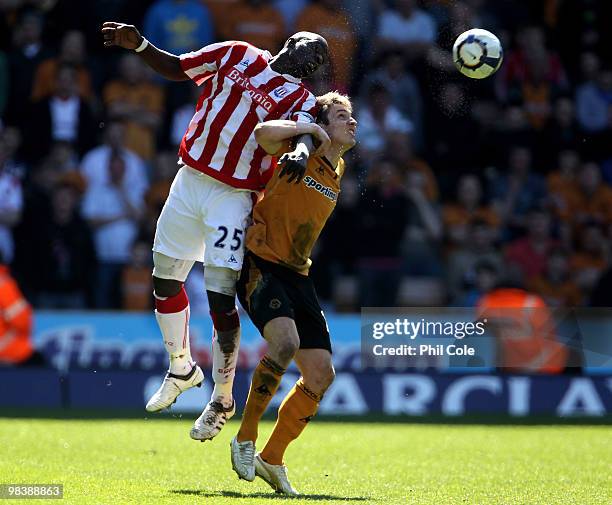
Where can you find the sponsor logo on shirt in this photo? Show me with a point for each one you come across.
(280, 92)
(258, 96)
(317, 186)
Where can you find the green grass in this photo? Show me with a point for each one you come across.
(155, 461)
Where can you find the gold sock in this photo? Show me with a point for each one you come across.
(266, 378)
(297, 409)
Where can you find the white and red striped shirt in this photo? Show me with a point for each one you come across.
(239, 91)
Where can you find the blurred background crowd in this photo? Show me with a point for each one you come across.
(454, 185)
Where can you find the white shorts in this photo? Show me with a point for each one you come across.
(204, 220)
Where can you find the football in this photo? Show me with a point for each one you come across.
(477, 53)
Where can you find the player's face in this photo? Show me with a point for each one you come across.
(342, 126)
(306, 54)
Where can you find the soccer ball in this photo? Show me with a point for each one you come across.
(477, 53)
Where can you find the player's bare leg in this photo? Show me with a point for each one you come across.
(298, 408)
(283, 342)
(172, 314)
(220, 284)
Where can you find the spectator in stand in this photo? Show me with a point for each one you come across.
(536, 91)
(72, 53)
(382, 212)
(518, 190)
(423, 233)
(137, 101)
(532, 74)
(65, 242)
(113, 209)
(530, 253)
(399, 149)
(95, 163)
(469, 207)
(11, 140)
(591, 258)
(339, 240)
(594, 100)
(555, 285)
(179, 26)
(590, 65)
(40, 185)
(136, 282)
(407, 28)
(62, 117)
(257, 22)
(593, 199)
(378, 118)
(11, 201)
(27, 54)
(327, 18)
(450, 127)
(512, 129)
(561, 185)
(478, 248)
(403, 89)
(561, 132)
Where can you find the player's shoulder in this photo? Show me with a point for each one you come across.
(250, 48)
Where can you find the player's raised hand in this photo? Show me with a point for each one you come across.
(294, 165)
(321, 135)
(120, 34)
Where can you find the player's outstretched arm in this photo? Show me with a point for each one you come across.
(128, 37)
(294, 163)
(271, 134)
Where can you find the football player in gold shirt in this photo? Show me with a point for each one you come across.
(275, 290)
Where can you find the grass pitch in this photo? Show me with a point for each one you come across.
(155, 461)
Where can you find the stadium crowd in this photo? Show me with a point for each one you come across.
(454, 184)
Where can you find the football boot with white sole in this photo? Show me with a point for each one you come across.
(172, 387)
(275, 475)
(243, 462)
(212, 420)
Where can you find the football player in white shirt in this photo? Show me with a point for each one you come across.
(208, 209)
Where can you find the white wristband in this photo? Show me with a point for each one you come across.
(143, 45)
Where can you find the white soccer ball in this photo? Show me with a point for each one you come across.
(477, 53)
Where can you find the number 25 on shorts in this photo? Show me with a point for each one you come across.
(235, 241)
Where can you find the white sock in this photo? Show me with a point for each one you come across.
(175, 330)
(224, 365)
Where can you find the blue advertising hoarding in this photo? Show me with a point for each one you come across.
(117, 360)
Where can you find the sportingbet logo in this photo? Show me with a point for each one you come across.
(256, 95)
(317, 186)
